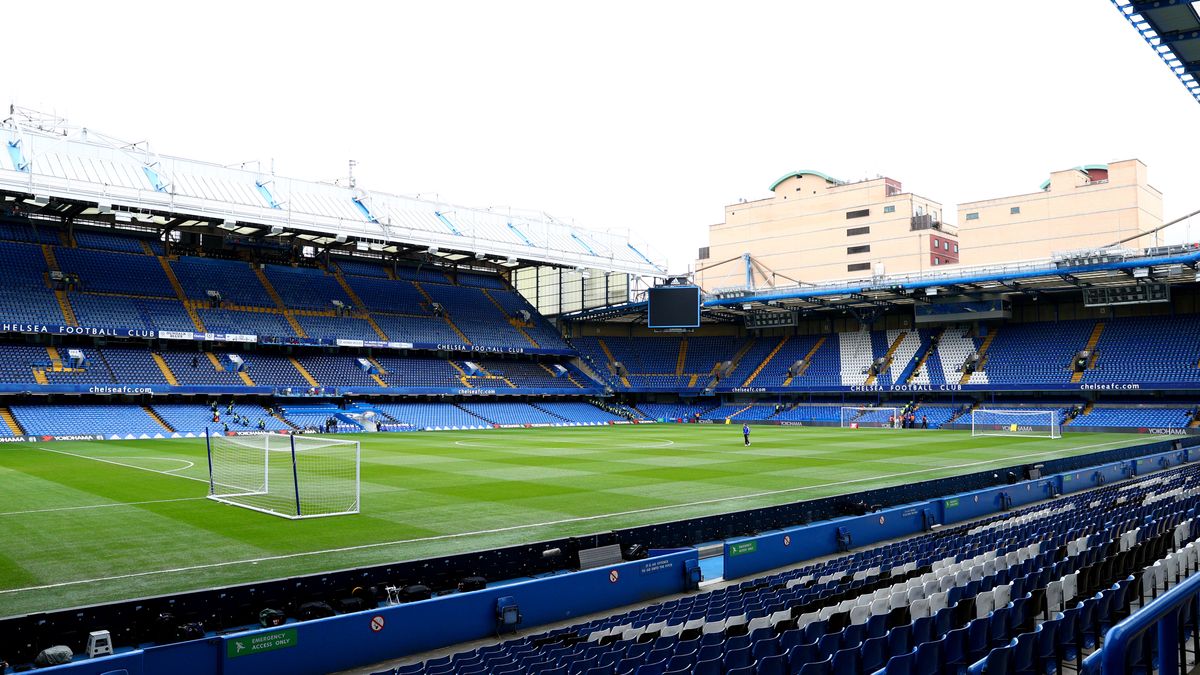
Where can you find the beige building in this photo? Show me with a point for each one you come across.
(816, 228)
(1085, 207)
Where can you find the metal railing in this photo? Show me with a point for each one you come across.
(1162, 613)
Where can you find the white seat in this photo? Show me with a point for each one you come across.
(671, 630)
(828, 612)
(1070, 586)
(880, 606)
(915, 593)
(860, 614)
(712, 627)
(918, 609)
(807, 618)
(931, 587)
(780, 616)
(694, 624)
(632, 633)
(1054, 596)
(845, 606)
(863, 600)
(985, 603)
(739, 620)
(1002, 594)
(882, 593)
(938, 602)
(1011, 558)
(962, 578)
(947, 582)
(597, 635)
(989, 568)
(899, 599)
(1160, 576)
(977, 572)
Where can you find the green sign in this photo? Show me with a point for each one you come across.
(742, 548)
(951, 503)
(263, 642)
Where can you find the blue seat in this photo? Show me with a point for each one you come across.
(978, 639)
(997, 662)
(766, 647)
(999, 626)
(655, 668)
(743, 670)
(709, 667)
(771, 665)
(816, 668)
(848, 662)
(828, 644)
(954, 651)
(900, 640)
(801, 654)
(873, 653)
(929, 657)
(737, 658)
(1022, 662)
(903, 664)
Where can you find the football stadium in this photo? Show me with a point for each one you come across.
(254, 423)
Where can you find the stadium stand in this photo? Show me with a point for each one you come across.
(1039, 585)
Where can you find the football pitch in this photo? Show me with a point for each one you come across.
(89, 522)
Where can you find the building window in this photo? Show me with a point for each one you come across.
(1014, 210)
(937, 261)
(973, 216)
(956, 248)
(865, 248)
(861, 213)
(889, 209)
(703, 255)
(858, 267)
(855, 231)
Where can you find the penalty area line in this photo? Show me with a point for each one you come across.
(129, 466)
(525, 526)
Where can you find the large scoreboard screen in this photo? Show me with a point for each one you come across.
(673, 307)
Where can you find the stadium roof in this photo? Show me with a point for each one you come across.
(1066, 273)
(1172, 29)
(57, 167)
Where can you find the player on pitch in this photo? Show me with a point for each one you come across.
(746, 433)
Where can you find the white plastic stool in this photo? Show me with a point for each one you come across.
(99, 644)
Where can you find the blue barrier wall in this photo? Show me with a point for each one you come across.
(747, 555)
(351, 640)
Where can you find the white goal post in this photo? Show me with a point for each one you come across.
(288, 476)
(1033, 423)
(863, 416)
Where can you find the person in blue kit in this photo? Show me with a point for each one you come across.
(746, 433)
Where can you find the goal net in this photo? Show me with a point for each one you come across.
(1035, 423)
(287, 476)
(854, 417)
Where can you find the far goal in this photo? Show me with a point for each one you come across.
(1035, 423)
(855, 417)
(287, 476)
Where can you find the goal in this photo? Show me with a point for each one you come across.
(854, 417)
(287, 476)
(1035, 423)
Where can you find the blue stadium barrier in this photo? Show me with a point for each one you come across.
(1161, 615)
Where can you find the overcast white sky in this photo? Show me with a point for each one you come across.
(649, 116)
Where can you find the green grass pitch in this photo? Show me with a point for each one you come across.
(90, 522)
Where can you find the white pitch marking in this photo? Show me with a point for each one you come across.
(511, 528)
(164, 459)
(128, 466)
(100, 506)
